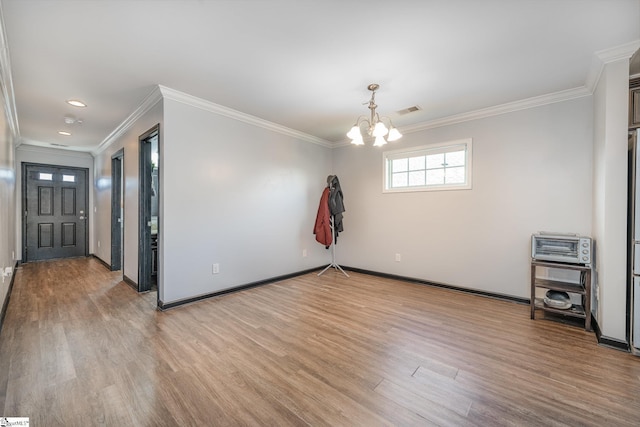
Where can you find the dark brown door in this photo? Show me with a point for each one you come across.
(55, 212)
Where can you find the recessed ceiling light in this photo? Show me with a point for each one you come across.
(76, 103)
(64, 132)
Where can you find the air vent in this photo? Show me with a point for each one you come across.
(58, 145)
(410, 110)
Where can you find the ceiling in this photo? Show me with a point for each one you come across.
(303, 64)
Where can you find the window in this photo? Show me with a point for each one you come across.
(68, 178)
(445, 166)
(45, 176)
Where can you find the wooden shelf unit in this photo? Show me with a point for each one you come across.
(582, 311)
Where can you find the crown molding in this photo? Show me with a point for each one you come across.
(6, 81)
(606, 56)
(149, 102)
(159, 92)
(536, 101)
(600, 59)
(26, 142)
(32, 146)
(211, 107)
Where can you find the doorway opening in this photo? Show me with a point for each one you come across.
(117, 211)
(149, 196)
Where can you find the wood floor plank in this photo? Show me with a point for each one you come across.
(422, 405)
(81, 347)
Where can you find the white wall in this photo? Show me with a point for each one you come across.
(236, 194)
(51, 156)
(531, 172)
(8, 222)
(611, 99)
(128, 140)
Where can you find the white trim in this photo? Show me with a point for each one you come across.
(212, 107)
(31, 146)
(600, 58)
(467, 143)
(606, 56)
(24, 142)
(159, 92)
(6, 82)
(149, 102)
(536, 101)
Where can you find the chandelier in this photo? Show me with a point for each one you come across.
(374, 125)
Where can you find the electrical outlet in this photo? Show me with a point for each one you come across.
(98, 243)
(398, 257)
(304, 253)
(215, 269)
(13, 255)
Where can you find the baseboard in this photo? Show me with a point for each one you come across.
(130, 282)
(5, 304)
(166, 306)
(614, 343)
(101, 261)
(494, 295)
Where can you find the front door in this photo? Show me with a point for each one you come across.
(55, 212)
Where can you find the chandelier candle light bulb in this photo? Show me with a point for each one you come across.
(375, 126)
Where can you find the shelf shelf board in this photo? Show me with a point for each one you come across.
(560, 286)
(574, 311)
(561, 265)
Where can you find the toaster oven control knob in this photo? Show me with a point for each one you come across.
(584, 245)
(584, 251)
(584, 258)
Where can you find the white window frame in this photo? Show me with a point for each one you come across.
(424, 150)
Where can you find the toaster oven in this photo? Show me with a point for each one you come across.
(562, 247)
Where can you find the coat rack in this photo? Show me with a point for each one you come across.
(333, 264)
(334, 185)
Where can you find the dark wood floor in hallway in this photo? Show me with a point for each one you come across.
(81, 348)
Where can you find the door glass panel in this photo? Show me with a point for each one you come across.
(45, 176)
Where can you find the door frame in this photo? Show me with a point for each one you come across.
(144, 208)
(23, 216)
(117, 211)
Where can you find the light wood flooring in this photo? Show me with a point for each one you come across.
(79, 347)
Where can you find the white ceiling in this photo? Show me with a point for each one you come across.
(301, 64)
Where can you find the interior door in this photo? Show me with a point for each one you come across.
(117, 211)
(148, 233)
(55, 212)
(636, 310)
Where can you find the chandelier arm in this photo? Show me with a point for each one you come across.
(386, 118)
(359, 121)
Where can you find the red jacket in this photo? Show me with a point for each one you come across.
(322, 228)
